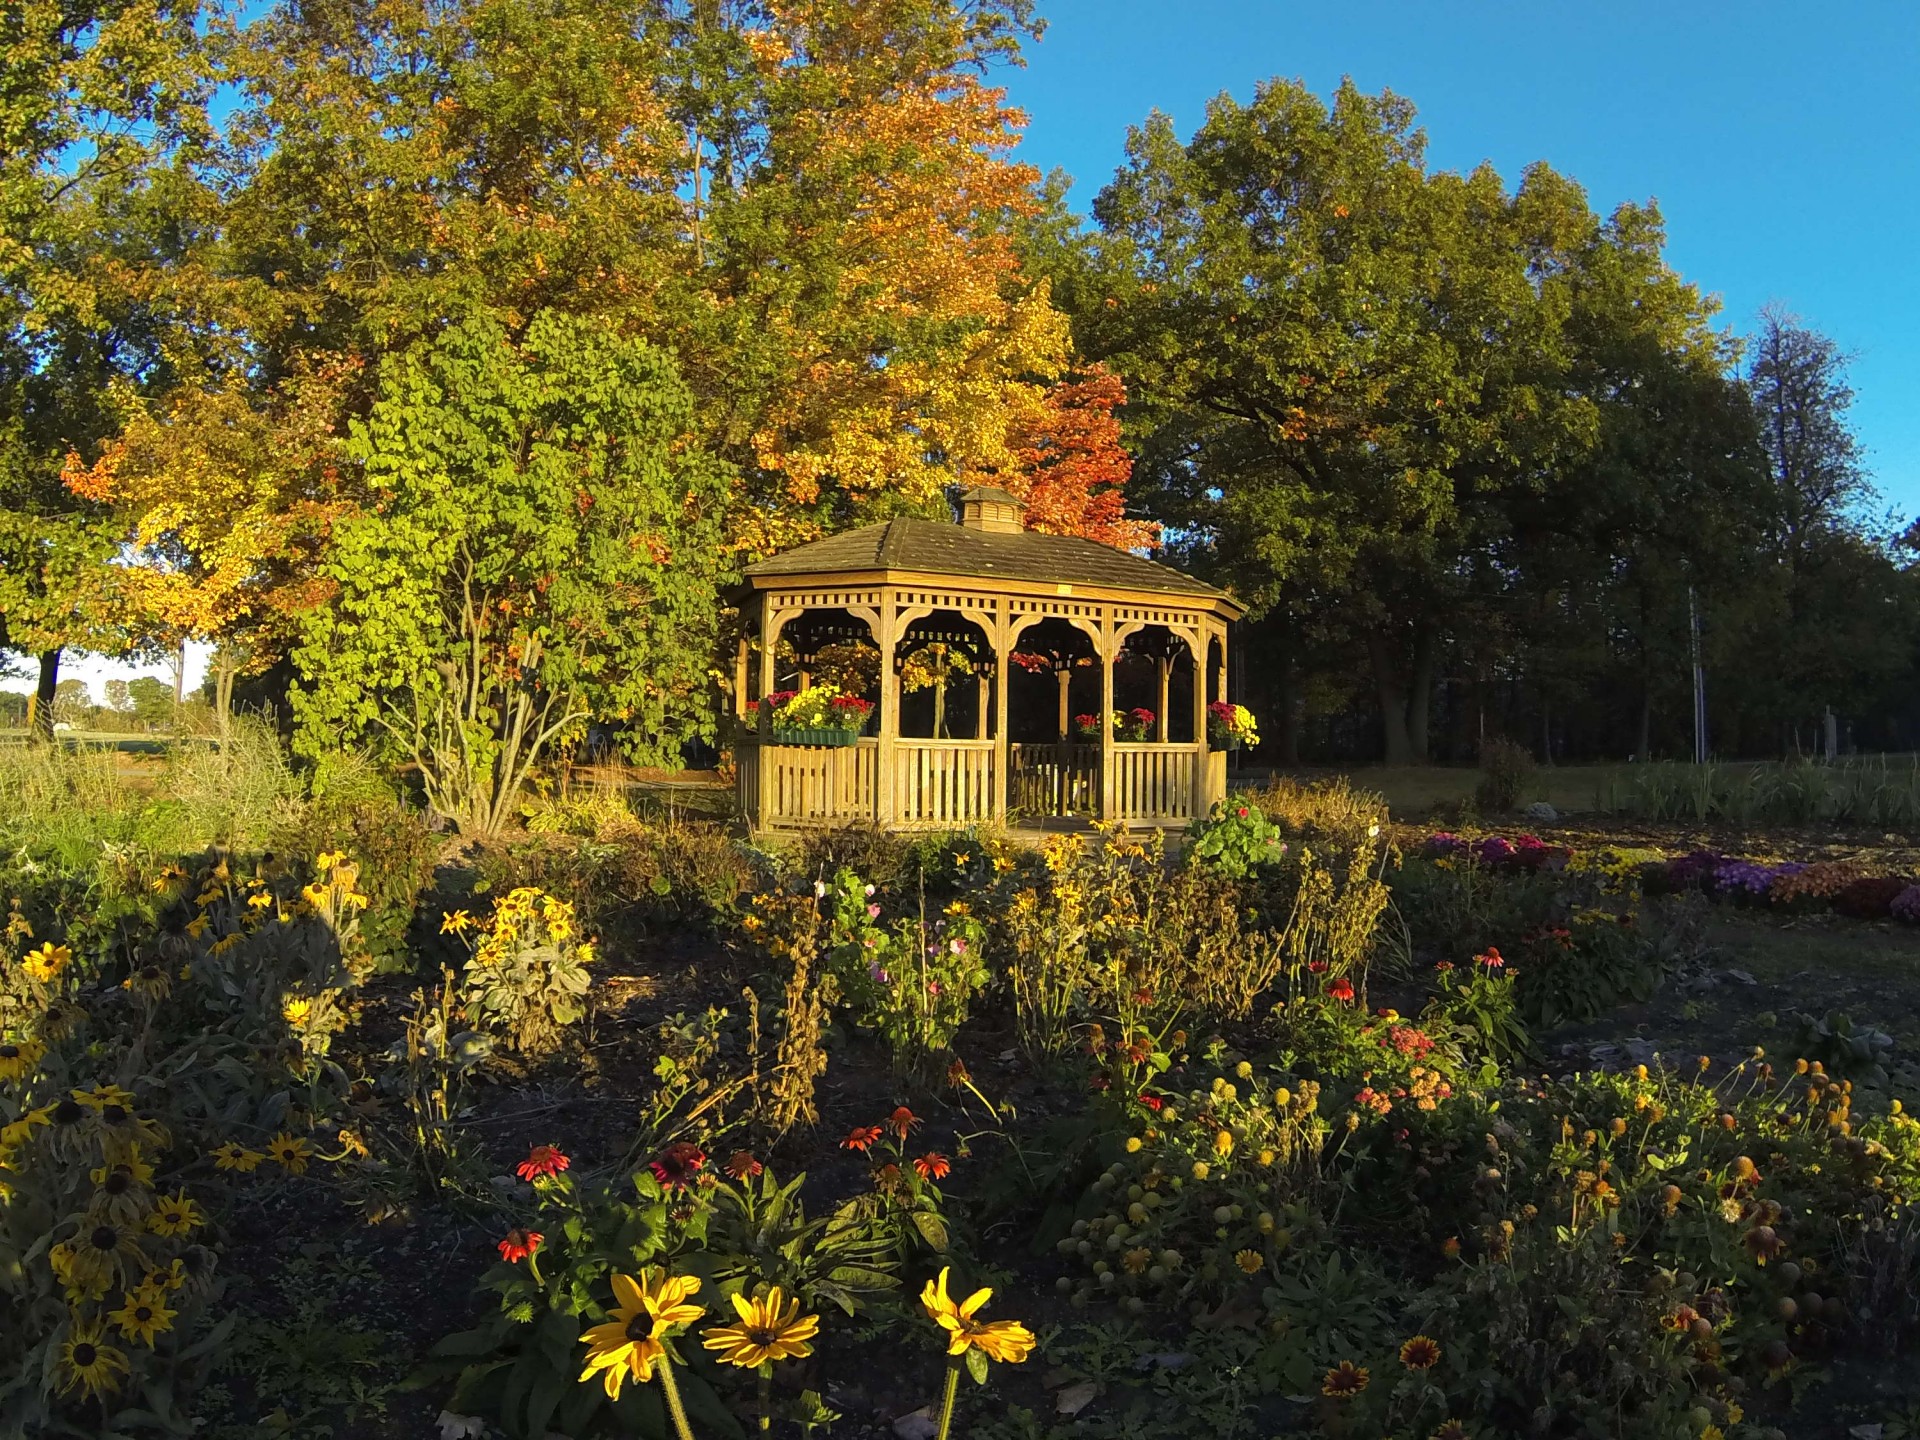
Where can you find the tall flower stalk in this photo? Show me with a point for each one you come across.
(970, 1341)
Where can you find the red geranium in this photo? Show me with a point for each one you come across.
(543, 1160)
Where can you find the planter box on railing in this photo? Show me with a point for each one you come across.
(814, 737)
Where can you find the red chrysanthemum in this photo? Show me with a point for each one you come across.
(519, 1244)
(861, 1138)
(678, 1164)
(933, 1166)
(542, 1161)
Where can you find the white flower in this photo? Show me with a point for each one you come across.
(869, 892)
(819, 889)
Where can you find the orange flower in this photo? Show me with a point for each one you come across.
(742, 1166)
(519, 1244)
(901, 1121)
(861, 1138)
(933, 1166)
(1420, 1353)
(542, 1161)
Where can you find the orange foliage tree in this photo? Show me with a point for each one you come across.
(1072, 470)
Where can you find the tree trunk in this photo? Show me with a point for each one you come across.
(223, 695)
(40, 703)
(180, 678)
(1426, 651)
(1393, 701)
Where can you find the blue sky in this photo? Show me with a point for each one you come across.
(1782, 141)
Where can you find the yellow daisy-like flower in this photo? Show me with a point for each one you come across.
(290, 1153)
(199, 925)
(101, 1096)
(102, 1250)
(1251, 1261)
(235, 1156)
(88, 1363)
(1345, 1380)
(260, 900)
(18, 1058)
(171, 881)
(649, 1308)
(327, 859)
(143, 1316)
(224, 943)
(1422, 1352)
(455, 924)
(297, 1010)
(1004, 1340)
(46, 963)
(175, 1215)
(770, 1329)
(20, 1130)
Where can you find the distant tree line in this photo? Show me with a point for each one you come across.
(1475, 454)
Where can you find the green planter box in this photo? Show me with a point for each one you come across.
(815, 737)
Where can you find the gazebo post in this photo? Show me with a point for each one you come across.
(1164, 661)
(889, 714)
(1002, 746)
(1201, 783)
(764, 778)
(1106, 722)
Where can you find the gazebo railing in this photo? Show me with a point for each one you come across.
(1156, 781)
(943, 783)
(1048, 779)
(808, 786)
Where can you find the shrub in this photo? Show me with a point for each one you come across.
(396, 853)
(1233, 840)
(1813, 886)
(527, 975)
(1870, 898)
(1505, 769)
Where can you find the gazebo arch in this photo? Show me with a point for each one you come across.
(986, 584)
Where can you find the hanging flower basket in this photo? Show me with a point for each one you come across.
(812, 736)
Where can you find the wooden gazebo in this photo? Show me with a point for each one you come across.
(1055, 633)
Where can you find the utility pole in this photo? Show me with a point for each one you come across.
(1699, 682)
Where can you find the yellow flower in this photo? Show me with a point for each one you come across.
(171, 881)
(235, 1156)
(175, 1215)
(143, 1316)
(455, 923)
(1005, 1340)
(101, 1096)
(199, 925)
(20, 1130)
(224, 944)
(648, 1310)
(88, 1363)
(770, 1329)
(290, 1152)
(1250, 1261)
(1223, 1143)
(46, 963)
(18, 1058)
(296, 1010)
(102, 1250)
(260, 900)
(330, 858)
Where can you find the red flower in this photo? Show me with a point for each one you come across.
(901, 1121)
(677, 1165)
(861, 1138)
(519, 1244)
(1241, 812)
(1317, 967)
(1152, 1102)
(742, 1166)
(1342, 990)
(1444, 966)
(957, 1073)
(544, 1160)
(933, 1166)
(1493, 959)
(1099, 1083)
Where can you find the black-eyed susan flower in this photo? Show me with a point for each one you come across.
(649, 1309)
(1345, 1380)
(1005, 1340)
(121, 1191)
(1422, 1352)
(88, 1363)
(19, 1057)
(144, 1315)
(770, 1328)
(101, 1096)
(237, 1157)
(458, 923)
(150, 982)
(46, 963)
(103, 1250)
(175, 1215)
(290, 1152)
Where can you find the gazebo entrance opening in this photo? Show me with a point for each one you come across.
(1013, 675)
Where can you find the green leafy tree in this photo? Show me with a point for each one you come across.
(542, 548)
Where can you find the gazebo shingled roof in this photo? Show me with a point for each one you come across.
(927, 547)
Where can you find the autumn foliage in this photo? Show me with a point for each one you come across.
(1072, 469)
